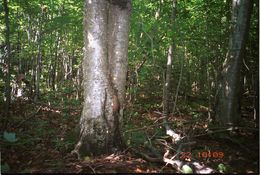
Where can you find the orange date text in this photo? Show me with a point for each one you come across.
(202, 154)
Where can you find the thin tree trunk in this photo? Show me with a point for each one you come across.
(256, 100)
(38, 61)
(167, 82)
(179, 82)
(71, 58)
(38, 73)
(79, 82)
(55, 63)
(228, 105)
(167, 77)
(203, 75)
(7, 60)
(18, 51)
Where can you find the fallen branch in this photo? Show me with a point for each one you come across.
(194, 164)
(175, 163)
(233, 128)
(147, 157)
(224, 129)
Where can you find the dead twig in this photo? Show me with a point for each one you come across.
(164, 142)
(175, 163)
(93, 169)
(147, 157)
(234, 128)
(223, 129)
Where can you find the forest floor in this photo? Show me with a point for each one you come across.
(45, 136)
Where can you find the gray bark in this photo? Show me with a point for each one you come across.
(54, 70)
(38, 60)
(167, 79)
(228, 105)
(7, 59)
(118, 29)
(38, 71)
(104, 71)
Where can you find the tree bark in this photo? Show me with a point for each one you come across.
(7, 59)
(38, 70)
(38, 59)
(228, 105)
(54, 70)
(167, 82)
(104, 70)
(167, 79)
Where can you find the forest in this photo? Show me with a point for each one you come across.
(128, 86)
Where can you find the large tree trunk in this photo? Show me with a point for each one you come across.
(7, 59)
(228, 105)
(104, 69)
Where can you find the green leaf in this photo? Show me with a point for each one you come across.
(222, 168)
(10, 137)
(186, 169)
(87, 159)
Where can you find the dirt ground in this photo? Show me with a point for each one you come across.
(46, 136)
